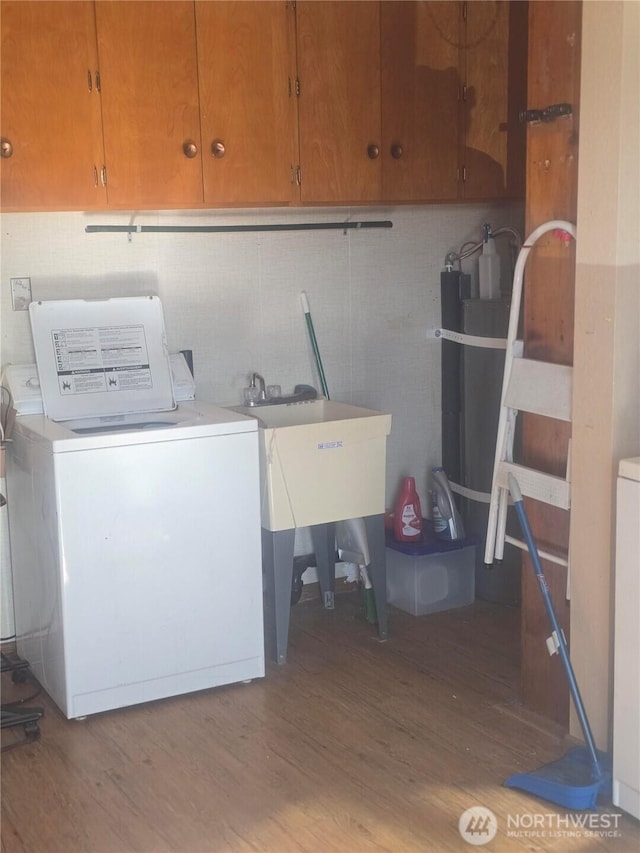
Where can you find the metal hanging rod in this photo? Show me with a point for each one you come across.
(210, 229)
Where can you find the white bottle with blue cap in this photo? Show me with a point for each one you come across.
(453, 527)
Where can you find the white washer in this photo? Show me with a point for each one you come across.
(135, 549)
(626, 679)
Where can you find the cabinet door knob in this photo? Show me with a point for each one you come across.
(373, 151)
(217, 149)
(396, 151)
(190, 149)
(6, 148)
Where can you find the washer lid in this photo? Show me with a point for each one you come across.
(101, 357)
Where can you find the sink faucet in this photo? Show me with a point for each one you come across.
(263, 391)
(256, 383)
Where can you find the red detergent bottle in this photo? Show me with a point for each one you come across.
(407, 515)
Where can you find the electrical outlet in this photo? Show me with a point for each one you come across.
(20, 293)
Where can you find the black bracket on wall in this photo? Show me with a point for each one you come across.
(548, 114)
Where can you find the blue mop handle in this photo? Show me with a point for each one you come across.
(514, 488)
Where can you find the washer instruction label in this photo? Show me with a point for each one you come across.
(104, 358)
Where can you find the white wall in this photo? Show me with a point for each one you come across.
(606, 401)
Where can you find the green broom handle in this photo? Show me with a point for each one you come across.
(314, 343)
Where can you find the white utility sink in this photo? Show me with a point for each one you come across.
(320, 461)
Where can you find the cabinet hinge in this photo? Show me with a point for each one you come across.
(90, 80)
(294, 86)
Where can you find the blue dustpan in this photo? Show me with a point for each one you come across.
(581, 776)
(569, 781)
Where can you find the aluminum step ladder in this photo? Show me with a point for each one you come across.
(537, 387)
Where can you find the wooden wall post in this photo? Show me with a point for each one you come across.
(552, 180)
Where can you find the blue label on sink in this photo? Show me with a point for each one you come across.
(329, 445)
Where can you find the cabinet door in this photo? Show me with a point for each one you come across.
(51, 126)
(150, 107)
(246, 66)
(338, 45)
(420, 100)
(495, 57)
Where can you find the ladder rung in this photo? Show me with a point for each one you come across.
(536, 484)
(545, 555)
(541, 388)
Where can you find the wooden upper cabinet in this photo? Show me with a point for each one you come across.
(50, 113)
(143, 104)
(150, 109)
(338, 48)
(494, 74)
(246, 64)
(420, 100)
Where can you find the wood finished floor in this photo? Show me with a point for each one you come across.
(353, 745)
